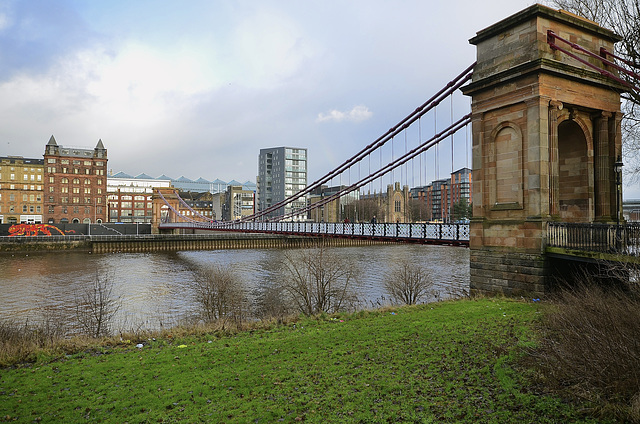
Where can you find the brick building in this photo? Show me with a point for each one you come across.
(21, 190)
(75, 183)
(130, 199)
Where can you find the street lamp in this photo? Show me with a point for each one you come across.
(617, 168)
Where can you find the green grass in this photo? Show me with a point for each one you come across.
(446, 362)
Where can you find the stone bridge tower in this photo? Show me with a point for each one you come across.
(546, 134)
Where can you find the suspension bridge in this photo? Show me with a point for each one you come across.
(542, 131)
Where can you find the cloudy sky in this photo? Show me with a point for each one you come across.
(197, 88)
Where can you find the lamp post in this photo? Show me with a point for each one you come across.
(617, 168)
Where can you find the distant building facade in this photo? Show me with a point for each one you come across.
(21, 190)
(282, 172)
(130, 199)
(75, 183)
(335, 210)
(441, 196)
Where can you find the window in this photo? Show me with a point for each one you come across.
(76, 200)
(12, 177)
(99, 191)
(76, 209)
(87, 163)
(65, 181)
(24, 208)
(51, 197)
(76, 170)
(25, 197)
(64, 170)
(51, 189)
(99, 200)
(64, 161)
(87, 200)
(99, 182)
(25, 177)
(87, 171)
(51, 210)
(76, 181)
(87, 181)
(64, 189)
(39, 177)
(51, 160)
(51, 180)
(64, 200)
(76, 190)
(99, 163)
(87, 190)
(32, 198)
(76, 162)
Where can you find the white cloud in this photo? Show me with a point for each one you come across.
(357, 114)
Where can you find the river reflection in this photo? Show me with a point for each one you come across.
(155, 288)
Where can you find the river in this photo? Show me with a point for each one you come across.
(155, 289)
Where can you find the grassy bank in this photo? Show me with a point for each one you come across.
(446, 362)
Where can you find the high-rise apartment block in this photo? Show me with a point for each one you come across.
(75, 181)
(282, 172)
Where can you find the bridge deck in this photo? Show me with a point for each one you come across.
(427, 233)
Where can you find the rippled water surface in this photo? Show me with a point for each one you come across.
(155, 288)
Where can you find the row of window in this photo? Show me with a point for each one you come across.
(75, 162)
(25, 209)
(76, 209)
(25, 177)
(65, 199)
(24, 187)
(13, 168)
(65, 170)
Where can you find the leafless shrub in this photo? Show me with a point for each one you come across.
(407, 282)
(220, 295)
(319, 280)
(590, 343)
(272, 303)
(96, 306)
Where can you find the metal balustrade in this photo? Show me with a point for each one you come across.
(601, 238)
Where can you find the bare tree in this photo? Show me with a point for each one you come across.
(220, 294)
(407, 282)
(623, 17)
(96, 306)
(319, 280)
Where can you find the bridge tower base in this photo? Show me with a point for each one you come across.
(546, 134)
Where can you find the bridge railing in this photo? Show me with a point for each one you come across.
(621, 239)
(427, 232)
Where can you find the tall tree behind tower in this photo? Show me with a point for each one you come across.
(623, 17)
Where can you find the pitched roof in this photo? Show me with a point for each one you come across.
(184, 179)
(144, 176)
(202, 180)
(98, 146)
(164, 177)
(52, 141)
(121, 175)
